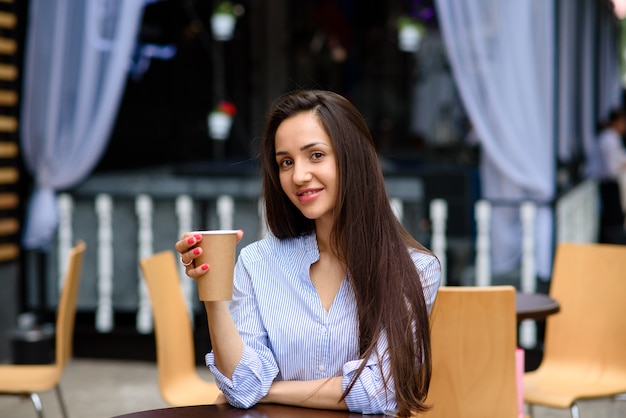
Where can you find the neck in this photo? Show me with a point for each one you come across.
(322, 232)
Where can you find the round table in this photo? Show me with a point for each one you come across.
(258, 411)
(535, 306)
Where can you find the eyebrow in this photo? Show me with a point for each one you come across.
(303, 148)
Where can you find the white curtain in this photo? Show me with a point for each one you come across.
(502, 57)
(77, 57)
(589, 116)
(610, 89)
(569, 52)
(589, 77)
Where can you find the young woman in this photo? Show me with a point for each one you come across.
(330, 311)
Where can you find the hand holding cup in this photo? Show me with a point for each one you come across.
(218, 251)
(213, 255)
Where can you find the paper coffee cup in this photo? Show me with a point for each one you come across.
(218, 251)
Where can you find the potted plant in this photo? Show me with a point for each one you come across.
(223, 21)
(410, 32)
(220, 120)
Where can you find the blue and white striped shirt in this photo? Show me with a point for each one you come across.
(287, 333)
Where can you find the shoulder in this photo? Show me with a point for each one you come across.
(424, 260)
(430, 274)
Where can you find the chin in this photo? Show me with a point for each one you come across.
(314, 214)
(310, 216)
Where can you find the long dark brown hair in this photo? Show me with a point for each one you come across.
(366, 236)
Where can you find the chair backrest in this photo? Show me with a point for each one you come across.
(589, 282)
(173, 330)
(473, 337)
(66, 311)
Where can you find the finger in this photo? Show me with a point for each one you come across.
(188, 257)
(196, 272)
(183, 244)
(185, 263)
(187, 241)
(239, 234)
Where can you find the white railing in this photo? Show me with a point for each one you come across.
(104, 310)
(439, 242)
(144, 207)
(145, 224)
(578, 214)
(577, 220)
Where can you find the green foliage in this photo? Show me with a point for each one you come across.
(405, 20)
(225, 7)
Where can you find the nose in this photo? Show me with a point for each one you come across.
(301, 173)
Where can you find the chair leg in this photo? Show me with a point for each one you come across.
(57, 388)
(574, 410)
(36, 400)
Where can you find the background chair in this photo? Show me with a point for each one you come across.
(28, 379)
(473, 337)
(179, 382)
(585, 343)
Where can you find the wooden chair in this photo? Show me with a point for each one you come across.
(585, 343)
(28, 379)
(473, 337)
(179, 381)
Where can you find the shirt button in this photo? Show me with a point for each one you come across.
(322, 368)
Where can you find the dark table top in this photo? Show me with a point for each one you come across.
(535, 306)
(258, 411)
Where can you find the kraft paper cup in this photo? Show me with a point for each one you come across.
(218, 251)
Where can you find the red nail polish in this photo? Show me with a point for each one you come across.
(198, 236)
(190, 240)
(205, 267)
(196, 251)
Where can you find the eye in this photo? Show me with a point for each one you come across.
(285, 163)
(317, 155)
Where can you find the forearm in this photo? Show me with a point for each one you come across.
(319, 394)
(225, 339)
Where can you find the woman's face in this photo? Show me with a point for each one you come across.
(307, 165)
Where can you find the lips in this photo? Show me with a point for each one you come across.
(308, 195)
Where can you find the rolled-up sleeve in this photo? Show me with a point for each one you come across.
(368, 395)
(250, 382)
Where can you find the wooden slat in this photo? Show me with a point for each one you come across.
(8, 72)
(8, 149)
(7, 20)
(9, 175)
(9, 226)
(9, 200)
(8, 98)
(8, 124)
(9, 252)
(8, 46)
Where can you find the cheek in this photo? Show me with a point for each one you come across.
(334, 175)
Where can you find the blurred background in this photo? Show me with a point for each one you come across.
(110, 132)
